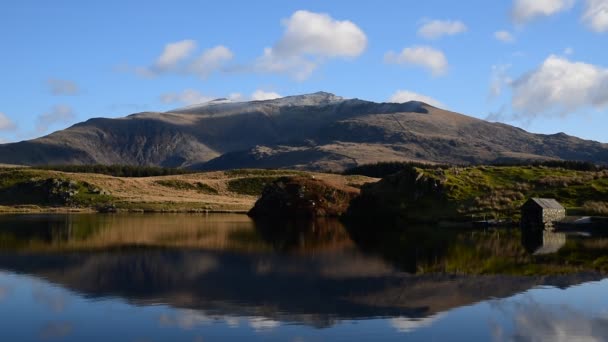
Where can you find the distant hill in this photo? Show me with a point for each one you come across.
(319, 131)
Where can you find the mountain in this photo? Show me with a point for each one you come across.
(319, 131)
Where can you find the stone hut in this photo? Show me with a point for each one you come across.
(541, 213)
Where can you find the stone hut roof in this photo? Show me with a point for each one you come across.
(545, 203)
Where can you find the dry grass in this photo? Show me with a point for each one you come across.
(9, 166)
(152, 194)
(596, 208)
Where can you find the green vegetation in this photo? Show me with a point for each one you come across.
(252, 186)
(563, 164)
(162, 207)
(500, 191)
(205, 189)
(118, 170)
(383, 169)
(462, 193)
(35, 187)
(183, 185)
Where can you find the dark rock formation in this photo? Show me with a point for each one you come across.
(403, 193)
(289, 197)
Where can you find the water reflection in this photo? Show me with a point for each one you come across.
(539, 241)
(261, 275)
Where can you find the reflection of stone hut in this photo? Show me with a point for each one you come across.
(541, 213)
(539, 242)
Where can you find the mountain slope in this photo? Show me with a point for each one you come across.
(314, 131)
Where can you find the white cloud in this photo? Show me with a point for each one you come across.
(504, 36)
(59, 114)
(300, 68)
(401, 96)
(595, 15)
(263, 324)
(173, 54)
(560, 87)
(211, 60)
(188, 97)
(568, 51)
(425, 56)
(534, 321)
(62, 87)
(232, 322)
(176, 58)
(438, 28)
(310, 39)
(320, 35)
(499, 79)
(193, 97)
(235, 97)
(526, 10)
(6, 124)
(407, 324)
(185, 319)
(260, 95)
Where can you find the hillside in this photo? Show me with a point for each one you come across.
(319, 131)
(31, 190)
(462, 193)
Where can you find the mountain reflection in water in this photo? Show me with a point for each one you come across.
(315, 274)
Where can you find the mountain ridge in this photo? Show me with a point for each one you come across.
(318, 131)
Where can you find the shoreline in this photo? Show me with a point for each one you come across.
(70, 210)
(35, 191)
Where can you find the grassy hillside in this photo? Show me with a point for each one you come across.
(490, 191)
(26, 189)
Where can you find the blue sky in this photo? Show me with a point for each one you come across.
(538, 64)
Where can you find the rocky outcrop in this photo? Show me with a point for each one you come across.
(52, 191)
(290, 197)
(403, 195)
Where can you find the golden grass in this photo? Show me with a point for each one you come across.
(148, 194)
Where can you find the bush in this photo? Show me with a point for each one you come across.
(183, 185)
(252, 186)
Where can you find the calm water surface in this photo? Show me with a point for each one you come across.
(224, 277)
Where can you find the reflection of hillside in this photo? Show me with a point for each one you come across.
(210, 232)
(225, 265)
(86, 232)
(314, 289)
(423, 250)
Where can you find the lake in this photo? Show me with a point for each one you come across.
(178, 277)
